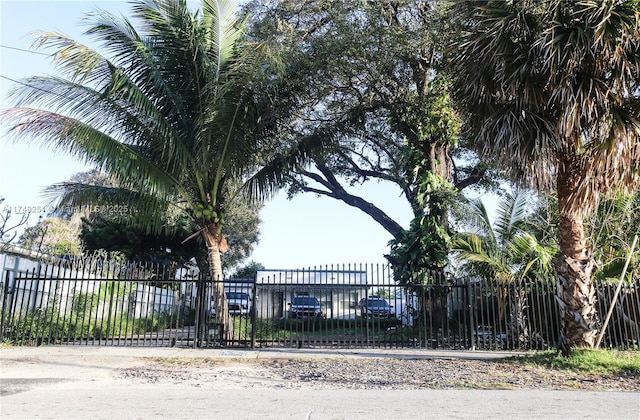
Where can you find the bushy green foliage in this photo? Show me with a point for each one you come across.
(51, 326)
(597, 362)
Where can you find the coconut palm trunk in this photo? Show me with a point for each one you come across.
(215, 246)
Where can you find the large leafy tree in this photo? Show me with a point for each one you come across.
(172, 105)
(550, 89)
(53, 236)
(373, 106)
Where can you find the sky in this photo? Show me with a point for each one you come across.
(307, 231)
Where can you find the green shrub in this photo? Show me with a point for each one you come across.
(598, 362)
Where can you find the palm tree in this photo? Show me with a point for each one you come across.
(550, 89)
(505, 248)
(174, 111)
(504, 253)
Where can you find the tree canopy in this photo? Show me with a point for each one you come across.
(372, 105)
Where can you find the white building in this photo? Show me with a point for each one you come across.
(338, 291)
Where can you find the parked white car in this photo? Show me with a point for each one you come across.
(239, 303)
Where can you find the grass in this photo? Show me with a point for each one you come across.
(585, 361)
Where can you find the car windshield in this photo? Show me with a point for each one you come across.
(237, 295)
(305, 300)
(377, 303)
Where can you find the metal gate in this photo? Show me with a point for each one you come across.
(358, 306)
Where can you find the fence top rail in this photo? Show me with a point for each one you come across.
(100, 279)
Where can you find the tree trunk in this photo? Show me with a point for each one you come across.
(216, 244)
(576, 293)
(518, 334)
(577, 299)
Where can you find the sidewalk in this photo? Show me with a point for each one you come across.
(263, 353)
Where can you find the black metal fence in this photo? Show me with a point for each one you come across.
(107, 303)
(98, 303)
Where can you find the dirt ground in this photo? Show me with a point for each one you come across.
(20, 371)
(370, 374)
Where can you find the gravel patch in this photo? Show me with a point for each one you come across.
(369, 374)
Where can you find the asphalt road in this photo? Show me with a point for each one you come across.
(106, 402)
(78, 383)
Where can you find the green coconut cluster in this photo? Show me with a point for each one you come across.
(207, 212)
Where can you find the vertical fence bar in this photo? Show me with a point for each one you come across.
(19, 297)
(30, 307)
(124, 313)
(623, 327)
(127, 317)
(480, 320)
(603, 296)
(66, 286)
(635, 314)
(4, 314)
(51, 326)
(16, 306)
(45, 324)
(252, 312)
(543, 312)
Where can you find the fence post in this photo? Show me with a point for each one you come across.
(252, 314)
(199, 318)
(472, 344)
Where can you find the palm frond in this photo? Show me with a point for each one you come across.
(530, 257)
(138, 208)
(62, 133)
(512, 210)
(220, 18)
(273, 174)
(478, 258)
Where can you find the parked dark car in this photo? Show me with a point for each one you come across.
(375, 307)
(306, 307)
